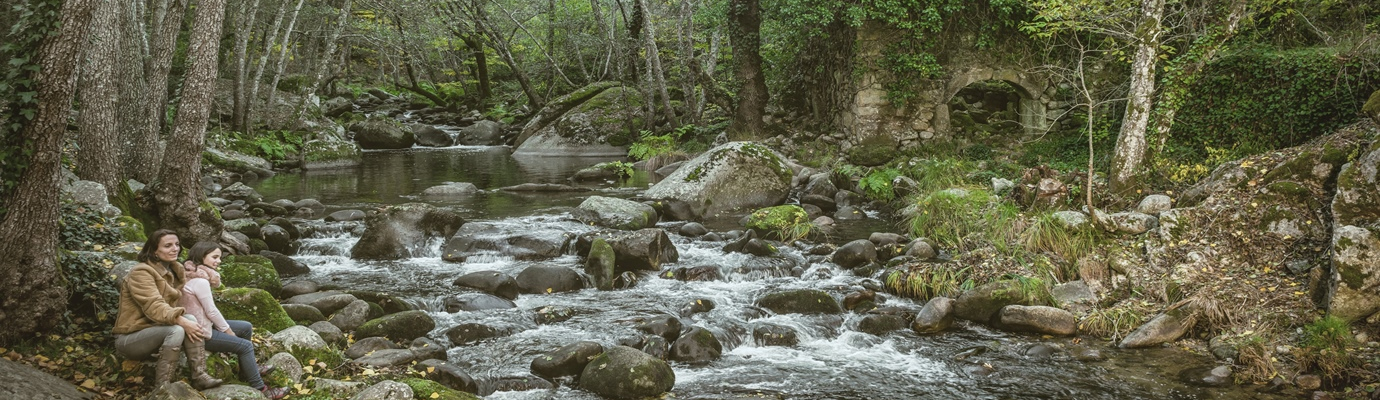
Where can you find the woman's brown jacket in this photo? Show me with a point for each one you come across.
(148, 297)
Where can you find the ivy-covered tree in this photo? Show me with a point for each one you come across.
(745, 24)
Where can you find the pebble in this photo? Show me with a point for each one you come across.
(1308, 382)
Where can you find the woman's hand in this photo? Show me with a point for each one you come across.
(194, 331)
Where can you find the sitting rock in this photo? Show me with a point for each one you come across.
(298, 287)
(1164, 328)
(619, 213)
(328, 332)
(299, 337)
(623, 372)
(303, 313)
(737, 175)
(983, 302)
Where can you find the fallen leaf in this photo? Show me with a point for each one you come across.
(89, 384)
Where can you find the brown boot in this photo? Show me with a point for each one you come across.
(168, 356)
(196, 361)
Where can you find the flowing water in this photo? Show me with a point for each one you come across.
(831, 361)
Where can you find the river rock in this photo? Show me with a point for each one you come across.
(240, 191)
(604, 171)
(656, 346)
(855, 254)
(477, 302)
(278, 239)
(592, 121)
(881, 324)
(351, 316)
(447, 374)
(665, 326)
(600, 265)
(299, 287)
(429, 136)
(471, 332)
(849, 213)
(1356, 271)
(300, 337)
(327, 302)
(328, 332)
(246, 226)
(774, 335)
(983, 302)
(482, 133)
(542, 187)
(287, 364)
(821, 204)
(1155, 204)
(345, 215)
(451, 189)
(703, 273)
(1074, 296)
(697, 346)
(336, 388)
(1164, 328)
(676, 210)
(19, 381)
(1134, 223)
(426, 349)
(569, 360)
(546, 279)
(620, 214)
(330, 153)
(736, 175)
(1072, 220)
(286, 266)
(492, 282)
(337, 106)
(692, 229)
(381, 134)
(625, 373)
(397, 231)
(232, 392)
(386, 358)
(640, 250)
(801, 301)
(1038, 319)
(920, 250)
(386, 390)
(308, 208)
(405, 325)
(303, 314)
(485, 238)
(365, 346)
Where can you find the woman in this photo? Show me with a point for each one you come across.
(202, 270)
(150, 324)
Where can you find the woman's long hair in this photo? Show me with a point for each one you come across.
(146, 255)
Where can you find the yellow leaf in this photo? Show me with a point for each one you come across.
(548, 290)
(89, 384)
(298, 387)
(308, 369)
(306, 391)
(435, 395)
(430, 369)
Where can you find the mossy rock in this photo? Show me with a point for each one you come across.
(251, 271)
(128, 201)
(801, 301)
(388, 304)
(983, 302)
(131, 229)
(1372, 107)
(773, 220)
(423, 389)
(326, 154)
(254, 305)
(623, 372)
(403, 326)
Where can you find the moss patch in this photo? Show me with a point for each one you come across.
(873, 151)
(251, 271)
(131, 229)
(254, 305)
(423, 389)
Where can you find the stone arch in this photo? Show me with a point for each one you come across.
(1030, 87)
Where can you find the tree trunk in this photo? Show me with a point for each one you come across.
(263, 57)
(1129, 156)
(745, 23)
(824, 89)
(178, 192)
(327, 55)
(98, 156)
(137, 139)
(501, 46)
(167, 19)
(654, 64)
(688, 59)
(239, 116)
(32, 295)
(481, 66)
(282, 55)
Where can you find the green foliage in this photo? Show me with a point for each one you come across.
(690, 138)
(271, 145)
(877, 184)
(961, 218)
(1046, 233)
(928, 281)
(294, 83)
(499, 112)
(254, 305)
(1323, 348)
(250, 271)
(788, 223)
(624, 169)
(1261, 99)
(83, 228)
(649, 145)
(94, 298)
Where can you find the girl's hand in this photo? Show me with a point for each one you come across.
(193, 329)
(227, 331)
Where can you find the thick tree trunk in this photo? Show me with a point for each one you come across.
(147, 159)
(745, 23)
(654, 64)
(1129, 156)
(239, 116)
(282, 55)
(688, 59)
(32, 296)
(256, 81)
(178, 192)
(501, 46)
(98, 155)
(133, 103)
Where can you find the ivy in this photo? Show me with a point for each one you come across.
(94, 298)
(82, 228)
(33, 21)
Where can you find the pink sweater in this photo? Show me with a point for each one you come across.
(196, 298)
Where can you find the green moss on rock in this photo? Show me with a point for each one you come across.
(802, 301)
(254, 305)
(423, 389)
(403, 326)
(251, 271)
(131, 229)
(873, 151)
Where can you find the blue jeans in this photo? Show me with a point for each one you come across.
(221, 342)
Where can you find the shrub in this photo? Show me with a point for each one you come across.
(788, 223)
(93, 297)
(1047, 234)
(928, 281)
(960, 218)
(1112, 323)
(1324, 349)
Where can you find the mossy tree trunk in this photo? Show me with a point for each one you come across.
(745, 24)
(177, 194)
(32, 297)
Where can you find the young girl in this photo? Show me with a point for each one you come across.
(202, 270)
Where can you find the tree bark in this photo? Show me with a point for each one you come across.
(147, 159)
(745, 23)
(654, 64)
(133, 102)
(481, 65)
(177, 193)
(500, 45)
(282, 55)
(98, 155)
(256, 82)
(688, 60)
(239, 116)
(32, 295)
(1129, 155)
(327, 55)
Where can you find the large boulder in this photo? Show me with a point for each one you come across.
(484, 238)
(619, 213)
(447, 374)
(401, 231)
(482, 133)
(1164, 328)
(731, 176)
(855, 254)
(626, 373)
(641, 250)
(286, 266)
(1038, 319)
(983, 302)
(251, 271)
(698, 346)
(800, 301)
(566, 361)
(324, 154)
(597, 120)
(299, 336)
(429, 136)
(382, 134)
(19, 381)
(600, 264)
(403, 326)
(1355, 272)
(476, 302)
(936, 316)
(254, 305)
